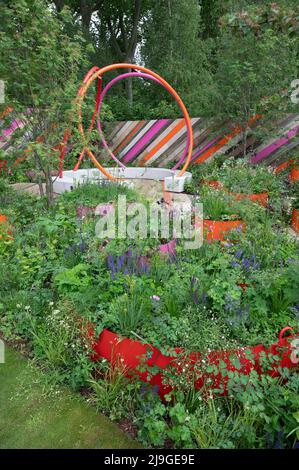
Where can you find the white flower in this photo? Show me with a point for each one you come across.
(19, 305)
(55, 312)
(51, 304)
(27, 307)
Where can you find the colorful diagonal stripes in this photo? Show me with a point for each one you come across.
(162, 142)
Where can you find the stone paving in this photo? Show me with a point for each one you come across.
(31, 188)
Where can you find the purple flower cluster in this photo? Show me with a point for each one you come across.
(128, 264)
(275, 441)
(241, 261)
(76, 249)
(146, 388)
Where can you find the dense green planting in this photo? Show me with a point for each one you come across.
(57, 277)
(233, 64)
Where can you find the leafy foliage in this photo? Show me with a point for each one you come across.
(57, 279)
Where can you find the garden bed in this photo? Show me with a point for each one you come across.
(150, 311)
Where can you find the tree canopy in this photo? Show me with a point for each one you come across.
(212, 52)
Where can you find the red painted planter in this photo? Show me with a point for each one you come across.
(294, 174)
(131, 354)
(217, 229)
(4, 228)
(259, 198)
(295, 220)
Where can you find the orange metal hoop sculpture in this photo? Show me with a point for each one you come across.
(94, 74)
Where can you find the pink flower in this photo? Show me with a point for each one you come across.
(155, 297)
(83, 211)
(103, 209)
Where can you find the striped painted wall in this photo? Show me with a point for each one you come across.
(278, 149)
(9, 124)
(7, 130)
(162, 142)
(151, 143)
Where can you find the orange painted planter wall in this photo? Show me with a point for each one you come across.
(213, 184)
(294, 174)
(295, 220)
(260, 198)
(217, 229)
(282, 166)
(4, 228)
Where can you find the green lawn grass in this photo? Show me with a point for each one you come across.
(34, 414)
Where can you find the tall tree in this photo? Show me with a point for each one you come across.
(211, 11)
(82, 8)
(41, 66)
(257, 61)
(122, 20)
(172, 45)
